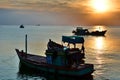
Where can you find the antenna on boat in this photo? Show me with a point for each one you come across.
(26, 43)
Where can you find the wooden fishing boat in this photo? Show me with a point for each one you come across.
(59, 59)
(81, 31)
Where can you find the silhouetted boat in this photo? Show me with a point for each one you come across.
(21, 26)
(81, 31)
(59, 59)
(38, 25)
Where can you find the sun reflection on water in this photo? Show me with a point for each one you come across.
(99, 46)
(99, 43)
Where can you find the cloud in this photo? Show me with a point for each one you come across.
(56, 12)
(30, 17)
(53, 5)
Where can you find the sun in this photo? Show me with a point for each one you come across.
(100, 6)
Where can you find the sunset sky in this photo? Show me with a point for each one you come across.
(60, 12)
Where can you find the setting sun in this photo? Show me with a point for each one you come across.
(100, 6)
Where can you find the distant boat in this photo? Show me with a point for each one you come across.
(59, 59)
(38, 25)
(21, 26)
(81, 31)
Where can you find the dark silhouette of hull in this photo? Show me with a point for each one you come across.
(21, 26)
(82, 31)
(39, 63)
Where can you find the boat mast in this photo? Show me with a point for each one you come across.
(26, 43)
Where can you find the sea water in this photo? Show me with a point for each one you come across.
(102, 51)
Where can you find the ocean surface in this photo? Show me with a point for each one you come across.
(102, 51)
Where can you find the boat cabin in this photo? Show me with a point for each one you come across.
(63, 55)
(81, 31)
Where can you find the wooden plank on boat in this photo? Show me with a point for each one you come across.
(38, 59)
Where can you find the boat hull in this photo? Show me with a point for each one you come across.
(94, 33)
(82, 70)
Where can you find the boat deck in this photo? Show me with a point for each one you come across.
(41, 59)
(37, 59)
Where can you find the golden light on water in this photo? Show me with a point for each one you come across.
(100, 6)
(99, 43)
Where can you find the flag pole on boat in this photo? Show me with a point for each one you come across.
(26, 43)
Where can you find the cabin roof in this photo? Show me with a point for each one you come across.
(73, 39)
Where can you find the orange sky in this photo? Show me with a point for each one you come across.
(60, 12)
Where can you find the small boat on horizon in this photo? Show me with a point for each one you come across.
(21, 26)
(38, 25)
(81, 31)
(59, 59)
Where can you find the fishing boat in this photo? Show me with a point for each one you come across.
(81, 31)
(38, 25)
(59, 58)
(21, 26)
